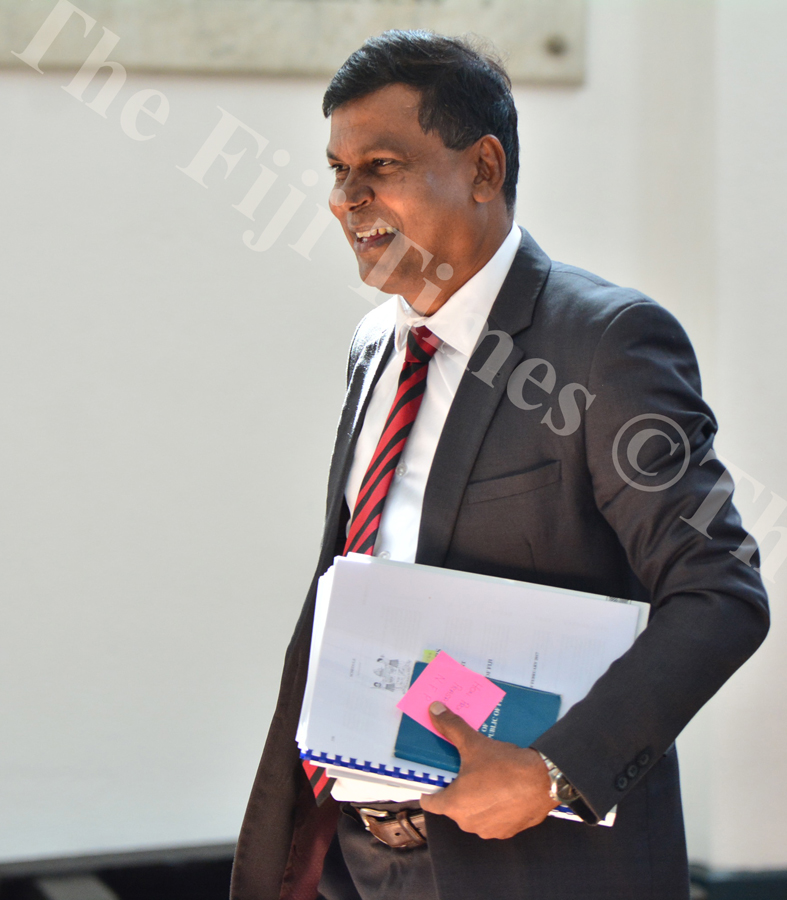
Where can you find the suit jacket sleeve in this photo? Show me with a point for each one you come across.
(709, 609)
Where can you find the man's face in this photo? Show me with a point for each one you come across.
(392, 176)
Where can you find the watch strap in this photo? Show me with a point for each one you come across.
(563, 792)
(560, 788)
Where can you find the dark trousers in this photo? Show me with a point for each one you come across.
(643, 857)
(359, 867)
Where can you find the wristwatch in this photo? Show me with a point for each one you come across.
(560, 788)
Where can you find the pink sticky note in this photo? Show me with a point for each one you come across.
(463, 691)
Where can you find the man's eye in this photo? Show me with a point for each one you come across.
(379, 163)
(337, 169)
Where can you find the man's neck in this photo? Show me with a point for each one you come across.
(489, 243)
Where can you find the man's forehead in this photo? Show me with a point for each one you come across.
(366, 142)
(385, 119)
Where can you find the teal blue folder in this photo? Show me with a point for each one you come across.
(521, 716)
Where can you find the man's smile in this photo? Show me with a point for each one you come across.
(365, 240)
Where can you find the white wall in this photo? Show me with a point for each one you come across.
(163, 480)
(159, 532)
(748, 720)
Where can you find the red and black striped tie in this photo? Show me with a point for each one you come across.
(365, 522)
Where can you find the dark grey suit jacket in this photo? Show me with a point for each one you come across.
(509, 495)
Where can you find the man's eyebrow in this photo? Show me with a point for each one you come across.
(379, 148)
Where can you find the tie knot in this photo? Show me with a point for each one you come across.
(421, 345)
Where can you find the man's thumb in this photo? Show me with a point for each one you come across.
(452, 727)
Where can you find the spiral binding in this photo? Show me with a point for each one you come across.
(376, 769)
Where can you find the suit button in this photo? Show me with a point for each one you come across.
(632, 771)
(643, 759)
(621, 782)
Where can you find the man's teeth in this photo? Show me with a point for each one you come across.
(367, 234)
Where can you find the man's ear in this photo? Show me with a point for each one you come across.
(490, 163)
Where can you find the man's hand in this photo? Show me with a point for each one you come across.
(501, 789)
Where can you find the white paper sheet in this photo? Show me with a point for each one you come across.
(374, 618)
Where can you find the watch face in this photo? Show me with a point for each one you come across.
(565, 791)
(560, 790)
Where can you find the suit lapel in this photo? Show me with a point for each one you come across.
(364, 377)
(475, 403)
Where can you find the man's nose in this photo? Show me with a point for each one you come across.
(353, 194)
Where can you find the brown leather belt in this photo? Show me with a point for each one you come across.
(402, 829)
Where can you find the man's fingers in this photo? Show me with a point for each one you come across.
(435, 803)
(452, 727)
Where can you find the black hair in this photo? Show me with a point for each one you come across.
(465, 92)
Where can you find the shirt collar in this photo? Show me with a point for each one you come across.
(459, 322)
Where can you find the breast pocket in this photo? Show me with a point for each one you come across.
(510, 485)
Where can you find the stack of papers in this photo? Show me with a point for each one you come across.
(374, 619)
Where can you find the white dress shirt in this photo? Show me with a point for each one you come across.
(458, 323)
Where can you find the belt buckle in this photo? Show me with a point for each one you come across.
(366, 814)
(394, 829)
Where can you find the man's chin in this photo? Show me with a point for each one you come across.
(388, 283)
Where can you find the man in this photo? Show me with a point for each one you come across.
(525, 379)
